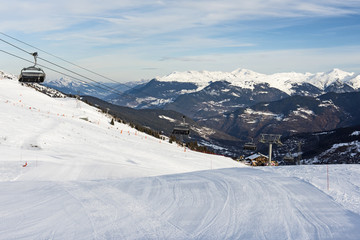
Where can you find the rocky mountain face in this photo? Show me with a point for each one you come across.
(295, 114)
(154, 94)
(220, 97)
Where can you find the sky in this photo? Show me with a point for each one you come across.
(130, 40)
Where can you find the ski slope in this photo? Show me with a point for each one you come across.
(87, 179)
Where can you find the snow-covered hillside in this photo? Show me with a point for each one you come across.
(67, 173)
(247, 79)
(43, 131)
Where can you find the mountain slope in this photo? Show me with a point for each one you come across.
(163, 121)
(220, 97)
(153, 94)
(63, 128)
(341, 145)
(291, 115)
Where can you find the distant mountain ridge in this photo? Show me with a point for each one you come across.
(290, 83)
(245, 78)
(243, 88)
(102, 91)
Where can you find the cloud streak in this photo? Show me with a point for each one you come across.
(162, 16)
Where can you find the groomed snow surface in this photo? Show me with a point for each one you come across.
(87, 179)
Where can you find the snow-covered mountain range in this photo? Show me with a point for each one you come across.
(290, 83)
(230, 90)
(285, 82)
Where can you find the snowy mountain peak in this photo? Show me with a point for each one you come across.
(340, 73)
(64, 82)
(244, 72)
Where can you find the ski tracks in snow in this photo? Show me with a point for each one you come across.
(237, 203)
(114, 214)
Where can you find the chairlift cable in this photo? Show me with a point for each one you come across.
(54, 70)
(78, 74)
(15, 46)
(184, 128)
(62, 59)
(109, 88)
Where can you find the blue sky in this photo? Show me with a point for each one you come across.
(130, 40)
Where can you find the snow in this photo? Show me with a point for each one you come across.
(344, 181)
(88, 179)
(167, 118)
(249, 111)
(153, 101)
(328, 103)
(323, 133)
(255, 155)
(245, 78)
(356, 133)
(66, 82)
(302, 112)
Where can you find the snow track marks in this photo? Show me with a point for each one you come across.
(238, 203)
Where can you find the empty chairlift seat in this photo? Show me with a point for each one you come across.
(250, 146)
(182, 128)
(33, 73)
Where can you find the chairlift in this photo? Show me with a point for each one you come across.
(33, 73)
(288, 159)
(182, 128)
(250, 145)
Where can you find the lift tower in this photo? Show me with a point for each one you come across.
(270, 139)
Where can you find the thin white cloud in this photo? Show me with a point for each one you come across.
(160, 16)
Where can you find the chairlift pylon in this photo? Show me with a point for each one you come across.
(33, 73)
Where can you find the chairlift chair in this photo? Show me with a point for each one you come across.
(288, 159)
(33, 73)
(250, 145)
(182, 128)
